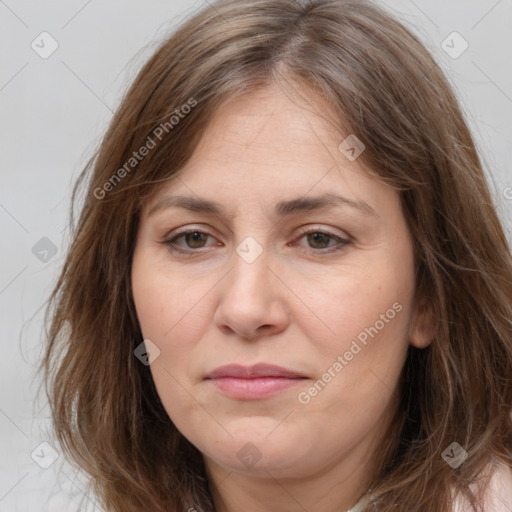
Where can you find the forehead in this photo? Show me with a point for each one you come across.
(269, 125)
(264, 147)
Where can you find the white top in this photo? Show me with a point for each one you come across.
(360, 504)
(497, 499)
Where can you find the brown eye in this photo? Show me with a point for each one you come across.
(319, 240)
(195, 239)
(188, 241)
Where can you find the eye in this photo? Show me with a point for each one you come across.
(193, 239)
(323, 241)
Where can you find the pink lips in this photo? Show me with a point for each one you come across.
(253, 382)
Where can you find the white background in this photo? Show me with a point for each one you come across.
(53, 113)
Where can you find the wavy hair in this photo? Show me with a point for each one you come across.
(382, 85)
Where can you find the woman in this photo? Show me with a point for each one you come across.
(288, 288)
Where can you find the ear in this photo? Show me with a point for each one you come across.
(422, 330)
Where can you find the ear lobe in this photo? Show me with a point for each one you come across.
(422, 328)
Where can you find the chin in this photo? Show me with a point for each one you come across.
(257, 453)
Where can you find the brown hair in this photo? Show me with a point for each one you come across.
(383, 86)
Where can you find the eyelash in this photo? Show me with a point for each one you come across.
(342, 242)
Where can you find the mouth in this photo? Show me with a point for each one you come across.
(253, 382)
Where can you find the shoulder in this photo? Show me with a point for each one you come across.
(498, 495)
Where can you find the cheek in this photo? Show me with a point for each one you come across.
(359, 367)
(171, 320)
(365, 302)
(171, 308)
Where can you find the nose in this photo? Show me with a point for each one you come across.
(252, 300)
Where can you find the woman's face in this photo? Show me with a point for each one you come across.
(283, 318)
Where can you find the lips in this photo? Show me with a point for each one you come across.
(252, 372)
(253, 382)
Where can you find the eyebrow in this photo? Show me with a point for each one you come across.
(282, 208)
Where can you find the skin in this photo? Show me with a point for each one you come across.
(296, 305)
